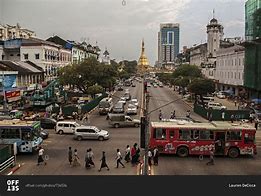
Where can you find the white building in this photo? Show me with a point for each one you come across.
(12, 32)
(229, 73)
(105, 58)
(198, 55)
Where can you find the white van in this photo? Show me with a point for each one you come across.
(66, 127)
(105, 106)
(216, 106)
(208, 99)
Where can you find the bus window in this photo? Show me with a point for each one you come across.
(206, 135)
(196, 135)
(234, 135)
(160, 134)
(171, 135)
(184, 135)
(249, 139)
(10, 134)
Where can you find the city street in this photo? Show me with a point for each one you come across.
(56, 146)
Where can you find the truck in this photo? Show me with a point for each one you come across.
(121, 120)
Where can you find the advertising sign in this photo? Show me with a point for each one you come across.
(9, 81)
(13, 95)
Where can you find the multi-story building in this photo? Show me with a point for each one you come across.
(252, 76)
(168, 44)
(229, 73)
(198, 55)
(12, 32)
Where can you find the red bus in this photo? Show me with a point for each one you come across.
(186, 139)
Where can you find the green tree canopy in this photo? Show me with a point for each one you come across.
(191, 71)
(201, 86)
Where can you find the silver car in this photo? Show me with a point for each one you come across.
(132, 109)
(90, 132)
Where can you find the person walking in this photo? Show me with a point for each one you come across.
(188, 114)
(119, 158)
(40, 156)
(75, 158)
(127, 154)
(87, 159)
(160, 115)
(70, 155)
(211, 158)
(156, 156)
(91, 157)
(103, 162)
(133, 153)
(223, 116)
(256, 123)
(149, 157)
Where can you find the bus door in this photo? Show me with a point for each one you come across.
(220, 143)
(160, 138)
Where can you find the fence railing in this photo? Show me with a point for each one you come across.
(9, 162)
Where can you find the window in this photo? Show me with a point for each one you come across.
(60, 125)
(184, 135)
(11, 54)
(196, 135)
(18, 55)
(37, 56)
(171, 134)
(238, 62)
(239, 76)
(234, 135)
(10, 133)
(66, 125)
(248, 139)
(206, 135)
(26, 56)
(159, 134)
(90, 131)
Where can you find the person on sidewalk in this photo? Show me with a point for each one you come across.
(232, 118)
(70, 155)
(149, 157)
(91, 157)
(188, 114)
(103, 162)
(160, 115)
(40, 156)
(87, 159)
(211, 158)
(133, 153)
(156, 156)
(127, 154)
(119, 158)
(75, 158)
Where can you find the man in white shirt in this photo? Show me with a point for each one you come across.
(40, 156)
(118, 158)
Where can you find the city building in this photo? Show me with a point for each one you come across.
(12, 32)
(252, 76)
(105, 58)
(229, 73)
(143, 63)
(168, 44)
(198, 55)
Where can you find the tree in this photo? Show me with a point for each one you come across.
(191, 71)
(95, 89)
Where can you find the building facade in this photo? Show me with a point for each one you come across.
(198, 55)
(13, 32)
(168, 44)
(229, 73)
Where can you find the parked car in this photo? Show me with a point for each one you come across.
(132, 109)
(221, 95)
(44, 134)
(90, 132)
(134, 101)
(66, 127)
(120, 120)
(216, 106)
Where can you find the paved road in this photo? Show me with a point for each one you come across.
(56, 147)
(173, 165)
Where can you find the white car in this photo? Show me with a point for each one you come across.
(134, 101)
(90, 132)
(221, 95)
(132, 109)
(216, 106)
(122, 100)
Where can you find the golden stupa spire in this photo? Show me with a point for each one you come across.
(143, 63)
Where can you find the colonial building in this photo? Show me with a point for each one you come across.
(198, 55)
(229, 73)
(12, 32)
(105, 58)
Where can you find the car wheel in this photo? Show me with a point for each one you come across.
(100, 138)
(136, 125)
(79, 138)
(116, 125)
(60, 132)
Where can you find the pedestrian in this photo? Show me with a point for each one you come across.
(149, 157)
(103, 162)
(160, 115)
(40, 156)
(87, 159)
(119, 158)
(137, 156)
(127, 154)
(256, 123)
(70, 155)
(211, 157)
(223, 116)
(91, 157)
(251, 117)
(232, 118)
(188, 114)
(174, 114)
(133, 153)
(171, 116)
(75, 158)
(156, 156)
(235, 102)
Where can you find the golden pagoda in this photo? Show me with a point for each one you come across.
(143, 63)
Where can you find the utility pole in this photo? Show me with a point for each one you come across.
(3, 85)
(146, 167)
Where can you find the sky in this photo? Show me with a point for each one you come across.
(120, 27)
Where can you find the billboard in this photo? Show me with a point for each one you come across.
(9, 81)
(13, 95)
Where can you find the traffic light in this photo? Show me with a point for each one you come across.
(142, 132)
(145, 87)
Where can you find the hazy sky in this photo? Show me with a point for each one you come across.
(121, 28)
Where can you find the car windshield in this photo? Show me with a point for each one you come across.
(96, 129)
(131, 106)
